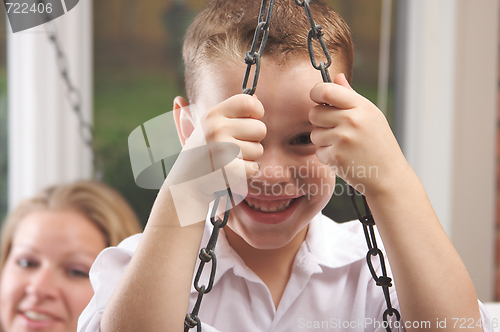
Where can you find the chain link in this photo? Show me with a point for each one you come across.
(206, 255)
(316, 33)
(252, 57)
(383, 281)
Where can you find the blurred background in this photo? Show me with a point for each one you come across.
(138, 66)
(430, 65)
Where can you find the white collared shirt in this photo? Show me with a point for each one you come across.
(330, 288)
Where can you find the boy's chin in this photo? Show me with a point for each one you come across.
(268, 240)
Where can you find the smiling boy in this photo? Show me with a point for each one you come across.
(281, 263)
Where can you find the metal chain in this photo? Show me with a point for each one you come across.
(74, 98)
(367, 220)
(73, 94)
(316, 33)
(206, 255)
(383, 281)
(252, 57)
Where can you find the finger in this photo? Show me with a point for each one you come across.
(224, 152)
(326, 116)
(250, 151)
(238, 170)
(247, 129)
(241, 106)
(340, 79)
(323, 154)
(251, 168)
(322, 137)
(335, 95)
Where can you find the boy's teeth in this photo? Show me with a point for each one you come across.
(284, 204)
(33, 315)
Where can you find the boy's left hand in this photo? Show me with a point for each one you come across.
(354, 138)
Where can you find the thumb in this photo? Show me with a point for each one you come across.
(340, 79)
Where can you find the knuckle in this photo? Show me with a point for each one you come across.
(216, 131)
(344, 139)
(354, 119)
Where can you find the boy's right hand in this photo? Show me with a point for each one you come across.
(237, 120)
(228, 136)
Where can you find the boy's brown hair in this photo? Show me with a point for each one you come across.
(224, 30)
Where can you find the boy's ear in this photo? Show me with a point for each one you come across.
(183, 119)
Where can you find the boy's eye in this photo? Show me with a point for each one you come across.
(302, 139)
(27, 263)
(78, 273)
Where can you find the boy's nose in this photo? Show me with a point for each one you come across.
(42, 284)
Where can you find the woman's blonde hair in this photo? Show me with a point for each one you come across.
(99, 203)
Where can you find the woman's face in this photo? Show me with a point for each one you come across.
(44, 285)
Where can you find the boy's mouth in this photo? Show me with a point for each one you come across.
(268, 206)
(270, 210)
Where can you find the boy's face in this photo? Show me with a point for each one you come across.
(292, 185)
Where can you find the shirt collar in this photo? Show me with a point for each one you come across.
(327, 244)
(335, 244)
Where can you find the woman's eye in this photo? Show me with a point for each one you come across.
(78, 273)
(302, 139)
(27, 263)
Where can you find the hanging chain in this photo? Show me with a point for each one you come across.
(73, 94)
(206, 255)
(367, 220)
(383, 281)
(252, 57)
(316, 33)
(74, 97)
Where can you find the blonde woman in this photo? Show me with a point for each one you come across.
(48, 245)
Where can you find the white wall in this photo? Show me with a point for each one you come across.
(450, 89)
(45, 146)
